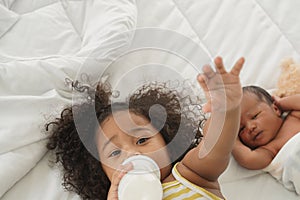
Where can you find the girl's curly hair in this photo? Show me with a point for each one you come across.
(82, 172)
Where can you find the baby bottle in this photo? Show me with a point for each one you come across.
(142, 182)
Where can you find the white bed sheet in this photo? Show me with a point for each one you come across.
(261, 31)
(43, 42)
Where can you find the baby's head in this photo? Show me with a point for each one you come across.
(260, 117)
(154, 121)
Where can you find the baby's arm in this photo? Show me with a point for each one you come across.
(288, 103)
(223, 92)
(252, 159)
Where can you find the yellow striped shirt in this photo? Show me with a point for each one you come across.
(182, 189)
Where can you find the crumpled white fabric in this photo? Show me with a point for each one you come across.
(285, 167)
(7, 19)
(42, 44)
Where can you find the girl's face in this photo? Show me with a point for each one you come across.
(124, 134)
(260, 122)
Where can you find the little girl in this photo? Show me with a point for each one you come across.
(189, 167)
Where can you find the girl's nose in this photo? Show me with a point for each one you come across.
(134, 153)
(131, 151)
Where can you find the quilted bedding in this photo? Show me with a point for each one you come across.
(43, 42)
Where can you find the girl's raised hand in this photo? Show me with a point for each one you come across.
(222, 89)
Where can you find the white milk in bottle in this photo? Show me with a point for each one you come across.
(142, 182)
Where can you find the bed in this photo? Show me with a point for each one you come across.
(44, 43)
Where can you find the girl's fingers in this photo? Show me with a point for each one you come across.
(207, 107)
(219, 65)
(237, 67)
(235, 70)
(202, 81)
(119, 173)
(208, 71)
(116, 178)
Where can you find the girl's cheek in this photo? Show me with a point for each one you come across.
(113, 163)
(109, 171)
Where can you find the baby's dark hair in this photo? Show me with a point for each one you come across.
(78, 124)
(260, 93)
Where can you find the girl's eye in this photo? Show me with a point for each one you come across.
(142, 140)
(115, 153)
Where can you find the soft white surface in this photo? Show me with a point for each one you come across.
(41, 44)
(7, 19)
(285, 167)
(45, 41)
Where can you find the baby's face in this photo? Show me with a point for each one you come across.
(260, 122)
(125, 134)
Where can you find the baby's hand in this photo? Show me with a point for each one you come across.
(277, 101)
(222, 89)
(117, 176)
(288, 103)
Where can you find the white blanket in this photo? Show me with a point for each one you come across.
(42, 42)
(285, 167)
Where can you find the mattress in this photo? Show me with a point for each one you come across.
(43, 43)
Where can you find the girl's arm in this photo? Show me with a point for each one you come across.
(223, 93)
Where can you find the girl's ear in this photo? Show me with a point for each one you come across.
(276, 110)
